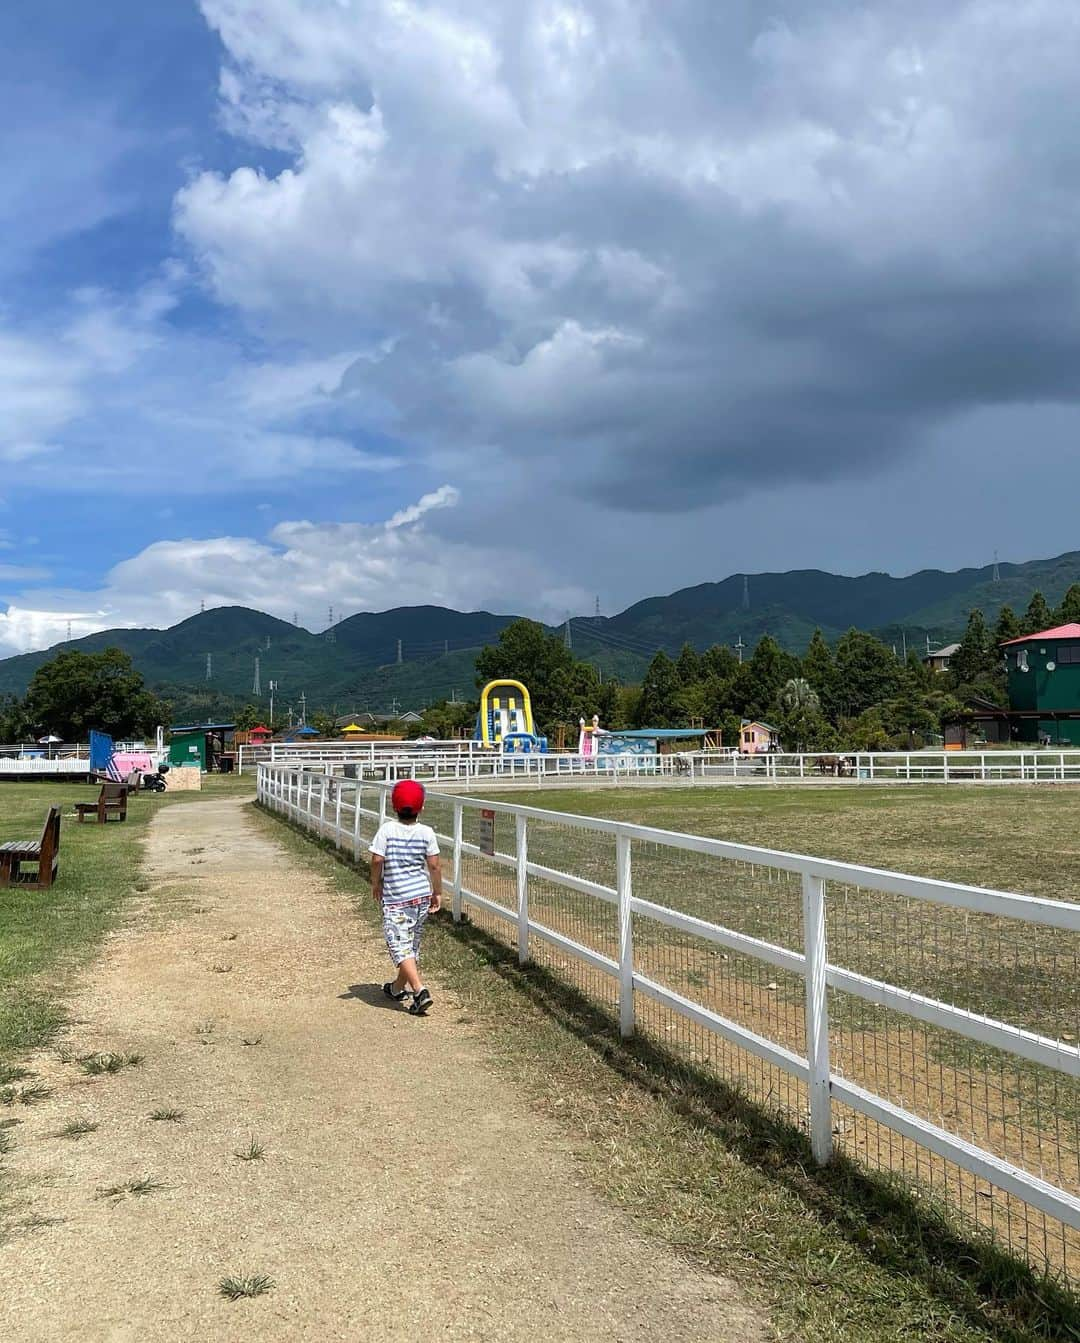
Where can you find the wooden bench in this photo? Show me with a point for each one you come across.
(45, 852)
(112, 801)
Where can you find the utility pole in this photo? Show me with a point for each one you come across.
(290, 716)
(303, 709)
(903, 641)
(255, 686)
(394, 706)
(273, 687)
(209, 666)
(739, 649)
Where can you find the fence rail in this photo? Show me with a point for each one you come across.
(445, 763)
(925, 1028)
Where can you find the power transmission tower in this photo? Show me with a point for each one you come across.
(568, 638)
(295, 618)
(399, 652)
(739, 649)
(209, 666)
(745, 593)
(331, 637)
(395, 705)
(997, 570)
(256, 689)
(268, 643)
(597, 612)
(202, 608)
(69, 631)
(446, 648)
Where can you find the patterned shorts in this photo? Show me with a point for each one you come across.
(402, 926)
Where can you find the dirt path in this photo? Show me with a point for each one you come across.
(405, 1190)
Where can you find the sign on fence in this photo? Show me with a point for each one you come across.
(487, 831)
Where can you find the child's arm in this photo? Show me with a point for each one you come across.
(434, 868)
(377, 865)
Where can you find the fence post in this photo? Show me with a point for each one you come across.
(309, 807)
(817, 1016)
(324, 787)
(382, 805)
(459, 811)
(357, 819)
(522, 836)
(337, 813)
(624, 886)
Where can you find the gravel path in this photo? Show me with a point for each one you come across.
(405, 1190)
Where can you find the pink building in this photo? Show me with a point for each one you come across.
(755, 737)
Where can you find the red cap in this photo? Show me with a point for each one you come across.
(408, 795)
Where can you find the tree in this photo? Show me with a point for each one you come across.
(766, 672)
(526, 652)
(688, 666)
(867, 672)
(1037, 617)
(1007, 626)
(76, 691)
(247, 718)
(819, 668)
(975, 660)
(719, 661)
(659, 690)
(802, 724)
(910, 717)
(14, 724)
(1068, 613)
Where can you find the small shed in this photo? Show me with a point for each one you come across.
(938, 659)
(756, 737)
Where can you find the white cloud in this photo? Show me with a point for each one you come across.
(303, 567)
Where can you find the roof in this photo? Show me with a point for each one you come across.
(1058, 632)
(661, 733)
(944, 652)
(203, 727)
(758, 722)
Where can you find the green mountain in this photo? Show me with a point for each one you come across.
(412, 655)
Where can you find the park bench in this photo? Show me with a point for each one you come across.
(112, 801)
(45, 852)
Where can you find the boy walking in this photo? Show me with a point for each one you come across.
(406, 879)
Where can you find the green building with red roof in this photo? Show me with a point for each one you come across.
(1044, 685)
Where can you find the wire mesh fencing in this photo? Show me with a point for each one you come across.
(926, 1030)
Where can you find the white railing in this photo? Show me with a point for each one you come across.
(438, 764)
(346, 812)
(61, 765)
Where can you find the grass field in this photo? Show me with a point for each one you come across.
(45, 934)
(691, 1146)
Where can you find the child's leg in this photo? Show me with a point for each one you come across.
(408, 976)
(401, 926)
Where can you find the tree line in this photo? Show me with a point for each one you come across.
(855, 695)
(75, 692)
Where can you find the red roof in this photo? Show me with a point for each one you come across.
(1058, 632)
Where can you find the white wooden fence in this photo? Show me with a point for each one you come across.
(443, 763)
(627, 928)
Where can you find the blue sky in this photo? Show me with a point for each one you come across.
(352, 302)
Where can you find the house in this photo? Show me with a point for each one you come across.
(756, 737)
(351, 723)
(1043, 672)
(938, 659)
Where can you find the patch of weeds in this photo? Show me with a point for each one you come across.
(11, 1073)
(251, 1040)
(142, 884)
(170, 1116)
(7, 1141)
(78, 1128)
(65, 1054)
(25, 1095)
(221, 969)
(37, 1221)
(205, 1028)
(94, 1065)
(139, 1188)
(230, 937)
(254, 1285)
(254, 1151)
(202, 909)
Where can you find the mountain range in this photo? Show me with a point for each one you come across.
(415, 654)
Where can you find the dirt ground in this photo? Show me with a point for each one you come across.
(405, 1189)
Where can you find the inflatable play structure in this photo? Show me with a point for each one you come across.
(505, 721)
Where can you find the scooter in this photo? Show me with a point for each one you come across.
(155, 783)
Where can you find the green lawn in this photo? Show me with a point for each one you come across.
(45, 934)
(1019, 838)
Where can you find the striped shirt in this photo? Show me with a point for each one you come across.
(406, 849)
